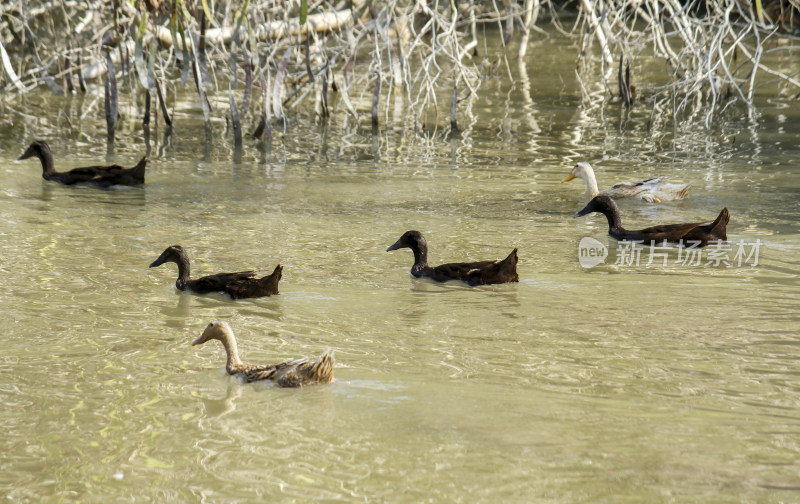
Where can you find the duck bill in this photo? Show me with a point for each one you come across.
(161, 260)
(586, 210)
(157, 262)
(396, 246)
(28, 153)
(568, 178)
(199, 340)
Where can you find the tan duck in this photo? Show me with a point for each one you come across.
(101, 176)
(296, 373)
(686, 234)
(473, 273)
(237, 285)
(654, 190)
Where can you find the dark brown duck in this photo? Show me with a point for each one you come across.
(101, 176)
(473, 273)
(237, 285)
(688, 234)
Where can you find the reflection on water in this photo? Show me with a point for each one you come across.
(653, 383)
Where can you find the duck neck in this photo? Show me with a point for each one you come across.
(420, 256)
(48, 168)
(183, 274)
(591, 183)
(232, 365)
(614, 221)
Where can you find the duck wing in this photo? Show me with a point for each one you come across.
(218, 282)
(693, 231)
(650, 190)
(106, 175)
(479, 272)
(255, 287)
(717, 230)
(269, 372)
(301, 372)
(668, 232)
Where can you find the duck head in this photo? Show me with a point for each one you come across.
(174, 254)
(584, 170)
(222, 332)
(38, 148)
(581, 169)
(218, 330)
(410, 239)
(602, 204)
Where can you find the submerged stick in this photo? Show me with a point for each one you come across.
(453, 103)
(375, 100)
(248, 80)
(167, 118)
(324, 94)
(67, 72)
(111, 98)
(346, 87)
(146, 118)
(81, 82)
(237, 125)
(262, 124)
(277, 108)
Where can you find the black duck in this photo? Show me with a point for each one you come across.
(237, 285)
(296, 373)
(687, 234)
(473, 273)
(102, 176)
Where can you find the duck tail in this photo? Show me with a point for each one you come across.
(322, 370)
(138, 170)
(508, 266)
(272, 279)
(684, 192)
(718, 227)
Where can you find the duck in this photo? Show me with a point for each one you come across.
(101, 176)
(686, 234)
(297, 373)
(237, 285)
(654, 190)
(472, 273)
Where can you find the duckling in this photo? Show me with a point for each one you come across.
(237, 285)
(473, 273)
(296, 373)
(101, 176)
(677, 233)
(652, 190)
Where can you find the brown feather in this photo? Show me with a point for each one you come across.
(295, 373)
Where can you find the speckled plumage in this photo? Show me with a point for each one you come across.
(653, 190)
(296, 373)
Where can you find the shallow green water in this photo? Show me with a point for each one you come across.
(616, 383)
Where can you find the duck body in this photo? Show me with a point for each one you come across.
(473, 273)
(295, 373)
(239, 285)
(688, 233)
(101, 176)
(653, 190)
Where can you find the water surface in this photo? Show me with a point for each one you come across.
(618, 383)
